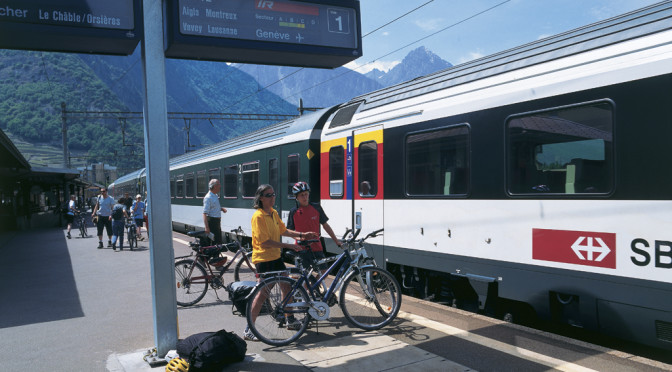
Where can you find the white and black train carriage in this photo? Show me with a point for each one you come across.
(536, 179)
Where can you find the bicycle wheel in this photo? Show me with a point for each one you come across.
(274, 325)
(191, 282)
(370, 298)
(244, 272)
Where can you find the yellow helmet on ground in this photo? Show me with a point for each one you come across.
(177, 365)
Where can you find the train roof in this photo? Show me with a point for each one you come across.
(129, 177)
(278, 132)
(638, 23)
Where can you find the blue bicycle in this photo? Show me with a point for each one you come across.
(282, 305)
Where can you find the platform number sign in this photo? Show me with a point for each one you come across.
(339, 21)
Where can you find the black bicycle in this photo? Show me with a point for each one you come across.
(370, 297)
(206, 265)
(81, 222)
(131, 233)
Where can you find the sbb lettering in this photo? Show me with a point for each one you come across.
(662, 253)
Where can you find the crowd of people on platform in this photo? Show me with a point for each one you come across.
(112, 217)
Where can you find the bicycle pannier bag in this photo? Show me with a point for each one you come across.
(238, 293)
(211, 351)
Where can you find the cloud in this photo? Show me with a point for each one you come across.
(380, 65)
(429, 24)
(471, 56)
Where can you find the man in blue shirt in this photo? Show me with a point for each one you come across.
(212, 211)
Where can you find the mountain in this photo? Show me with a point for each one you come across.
(323, 88)
(317, 87)
(33, 85)
(419, 62)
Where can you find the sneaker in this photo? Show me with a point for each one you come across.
(100, 244)
(249, 336)
(69, 236)
(293, 324)
(109, 243)
(114, 247)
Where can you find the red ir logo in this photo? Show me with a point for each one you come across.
(575, 247)
(265, 4)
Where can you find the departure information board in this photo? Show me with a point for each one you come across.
(291, 29)
(89, 26)
(116, 14)
(276, 21)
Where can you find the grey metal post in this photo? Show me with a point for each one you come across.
(158, 181)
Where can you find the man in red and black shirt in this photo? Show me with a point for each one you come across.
(307, 217)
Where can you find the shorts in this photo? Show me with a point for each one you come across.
(275, 265)
(69, 218)
(139, 221)
(309, 257)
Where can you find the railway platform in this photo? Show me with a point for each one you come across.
(68, 306)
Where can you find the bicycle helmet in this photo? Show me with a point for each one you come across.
(300, 187)
(177, 365)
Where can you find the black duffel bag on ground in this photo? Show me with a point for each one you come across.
(210, 351)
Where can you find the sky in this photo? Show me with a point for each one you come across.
(501, 25)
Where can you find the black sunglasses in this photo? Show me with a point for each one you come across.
(269, 195)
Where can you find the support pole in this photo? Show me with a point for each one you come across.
(64, 130)
(158, 181)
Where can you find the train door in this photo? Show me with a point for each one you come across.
(367, 181)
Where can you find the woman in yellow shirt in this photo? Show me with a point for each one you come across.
(267, 229)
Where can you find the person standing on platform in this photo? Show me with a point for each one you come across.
(103, 211)
(118, 219)
(212, 211)
(138, 211)
(307, 216)
(267, 232)
(70, 215)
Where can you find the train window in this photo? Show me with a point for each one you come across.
(561, 151)
(292, 173)
(274, 173)
(231, 181)
(437, 162)
(179, 186)
(201, 184)
(172, 187)
(250, 179)
(336, 171)
(367, 155)
(213, 174)
(189, 185)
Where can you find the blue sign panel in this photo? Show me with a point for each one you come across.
(81, 26)
(349, 168)
(296, 33)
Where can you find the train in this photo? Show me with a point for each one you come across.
(533, 182)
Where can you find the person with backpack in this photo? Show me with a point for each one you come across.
(118, 218)
(102, 212)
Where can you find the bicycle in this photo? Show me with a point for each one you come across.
(131, 233)
(194, 273)
(81, 221)
(370, 297)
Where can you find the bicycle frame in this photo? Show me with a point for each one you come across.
(346, 262)
(202, 259)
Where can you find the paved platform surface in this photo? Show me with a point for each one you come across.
(68, 306)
